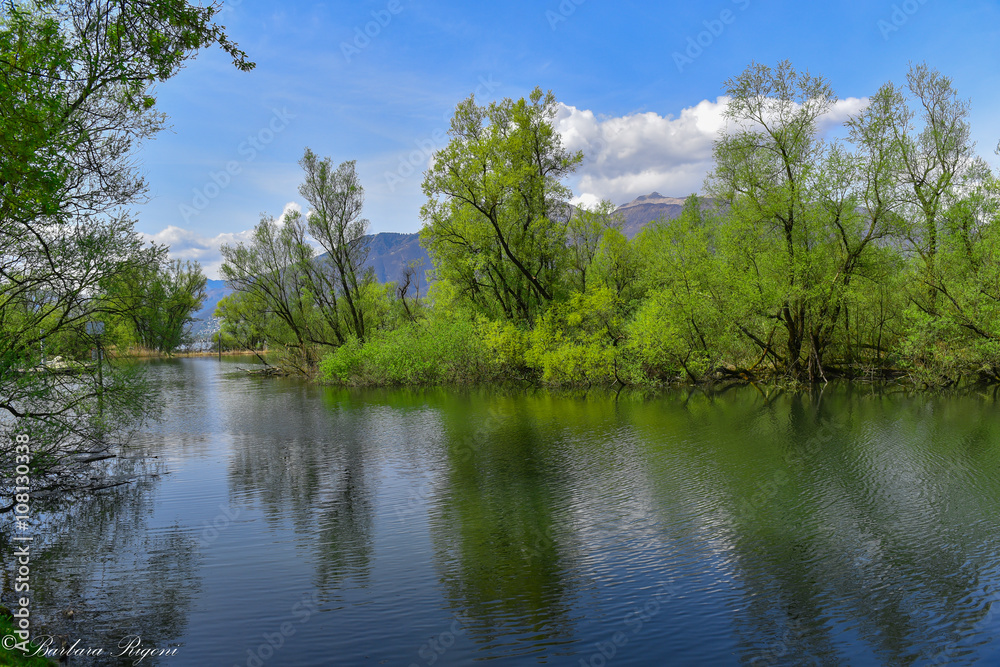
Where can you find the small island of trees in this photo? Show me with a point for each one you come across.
(866, 251)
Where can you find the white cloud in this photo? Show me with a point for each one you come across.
(586, 200)
(186, 244)
(190, 245)
(633, 155)
(841, 111)
(289, 207)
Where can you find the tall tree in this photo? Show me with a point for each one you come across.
(496, 215)
(584, 233)
(158, 301)
(804, 214)
(269, 267)
(937, 158)
(77, 78)
(336, 198)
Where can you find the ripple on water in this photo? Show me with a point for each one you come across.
(449, 527)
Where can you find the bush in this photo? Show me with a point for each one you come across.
(580, 341)
(506, 346)
(433, 351)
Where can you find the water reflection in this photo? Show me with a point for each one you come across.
(314, 474)
(101, 573)
(495, 521)
(866, 544)
(445, 526)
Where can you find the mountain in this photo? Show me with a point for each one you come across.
(390, 252)
(642, 210)
(215, 290)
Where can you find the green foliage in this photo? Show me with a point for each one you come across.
(76, 103)
(616, 265)
(15, 657)
(506, 345)
(868, 256)
(580, 340)
(496, 210)
(156, 301)
(296, 300)
(660, 341)
(433, 351)
(586, 231)
(335, 198)
(241, 328)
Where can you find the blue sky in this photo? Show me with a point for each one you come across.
(376, 82)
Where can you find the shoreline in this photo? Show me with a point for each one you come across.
(147, 354)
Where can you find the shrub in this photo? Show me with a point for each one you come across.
(431, 351)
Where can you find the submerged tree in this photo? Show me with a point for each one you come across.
(305, 301)
(949, 204)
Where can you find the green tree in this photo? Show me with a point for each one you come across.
(949, 202)
(77, 79)
(242, 325)
(937, 158)
(275, 268)
(804, 214)
(336, 198)
(320, 301)
(496, 215)
(158, 301)
(680, 324)
(585, 231)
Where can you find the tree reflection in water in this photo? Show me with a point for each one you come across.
(99, 573)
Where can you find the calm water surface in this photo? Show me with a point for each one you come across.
(292, 524)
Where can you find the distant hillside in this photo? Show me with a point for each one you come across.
(642, 210)
(389, 253)
(214, 291)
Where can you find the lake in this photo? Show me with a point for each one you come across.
(285, 523)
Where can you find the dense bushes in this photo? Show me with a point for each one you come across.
(433, 351)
